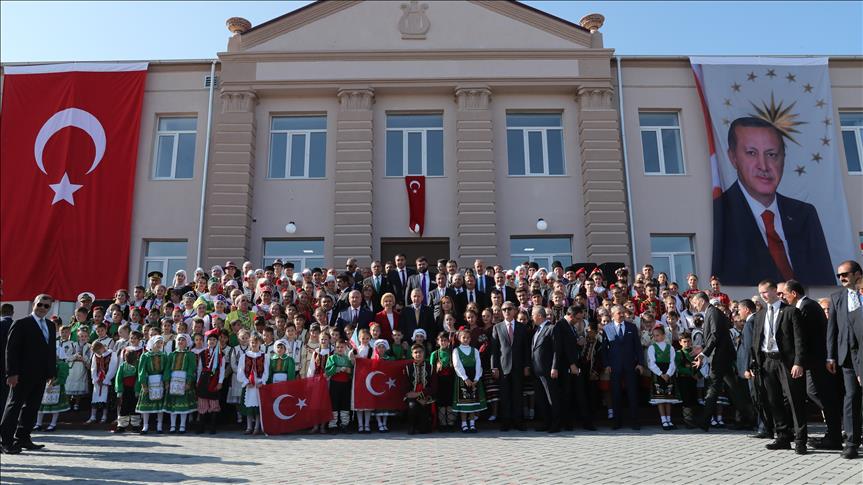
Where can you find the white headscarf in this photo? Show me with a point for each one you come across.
(186, 337)
(152, 342)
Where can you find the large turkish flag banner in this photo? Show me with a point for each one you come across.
(379, 384)
(294, 405)
(68, 147)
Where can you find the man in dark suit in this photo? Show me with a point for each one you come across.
(624, 358)
(719, 346)
(434, 297)
(510, 344)
(506, 292)
(378, 280)
(422, 280)
(758, 232)
(31, 360)
(778, 354)
(483, 282)
(569, 340)
(416, 315)
(355, 313)
(398, 278)
(6, 312)
(472, 294)
(343, 281)
(820, 385)
(844, 328)
(545, 372)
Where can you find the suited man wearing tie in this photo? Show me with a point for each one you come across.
(326, 302)
(6, 312)
(624, 359)
(417, 315)
(343, 281)
(421, 280)
(471, 294)
(398, 278)
(844, 330)
(31, 360)
(378, 281)
(506, 292)
(746, 309)
(510, 348)
(569, 340)
(483, 282)
(778, 353)
(545, 372)
(441, 290)
(355, 313)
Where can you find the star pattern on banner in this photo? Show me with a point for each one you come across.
(820, 103)
(807, 88)
(301, 403)
(791, 78)
(800, 170)
(64, 189)
(751, 76)
(771, 73)
(391, 383)
(825, 141)
(727, 102)
(735, 87)
(816, 157)
(827, 122)
(725, 121)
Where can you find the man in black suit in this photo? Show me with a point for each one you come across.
(820, 385)
(343, 282)
(422, 280)
(844, 328)
(506, 292)
(355, 313)
(31, 360)
(6, 312)
(570, 339)
(758, 232)
(378, 280)
(416, 315)
(624, 359)
(719, 346)
(510, 344)
(545, 372)
(483, 282)
(472, 293)
(778, 354)
(398, 278)
(434, 297)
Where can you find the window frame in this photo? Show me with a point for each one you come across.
(288, 257)
(660, 145)
(289, 147)
(424, 146)
(176, 136)
(671, 254)
(165, 260)
(543, 130)
(858, 137)
(531, 256)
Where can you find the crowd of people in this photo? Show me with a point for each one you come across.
(559, 348)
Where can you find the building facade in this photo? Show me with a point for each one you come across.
(512, 115)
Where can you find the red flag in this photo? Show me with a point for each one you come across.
(416, 186)
(379, 384)
(294, 405)
(68, 145)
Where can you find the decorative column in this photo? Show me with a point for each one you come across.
(352, 234)
(476, 217)
(603, 177)
(228, 209)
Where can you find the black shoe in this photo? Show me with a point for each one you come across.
(12, 449)
(541, 429)
(589, 427)
(778, 445)
(144, 431)
(825, 444)
(520, 427)
(504, 428)
(850, 453)
(617, 425)
(636, 427)
(553, 430)
(119, 430)
(705, 426)
(762, 435)
(29, 445)
(666, 427)
(800, 447)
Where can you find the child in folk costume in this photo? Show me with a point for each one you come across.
(181, 375)
(468, 391)
(55, 400)
(102, 336)
(294, 344)
(78, 355)
(103, 367)
(318, 361)
(309, 348)
(442, 369)
(253, 371)
(127, 386)
(364, 350)
(399, 348)
(236, 389)
(660, 361)
(339, 369)
(282, 367)
(123, 333)
(210, 377)
(382, 348)
(421, 389)
(686, 384)
(151, 367)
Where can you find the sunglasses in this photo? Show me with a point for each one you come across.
(843, 275)
(509, 309)
(46, 306)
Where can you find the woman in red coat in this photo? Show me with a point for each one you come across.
(388, 318)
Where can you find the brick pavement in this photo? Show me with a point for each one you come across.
(646, 456)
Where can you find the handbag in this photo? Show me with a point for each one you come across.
(177, 387)
(52, 395)
(155, 391)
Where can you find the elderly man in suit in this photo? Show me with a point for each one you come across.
(31, 360)
(624, 358)
(545, 372)
(417, 315)
(6, 312)
(844, 355)
(510, 344)
(483, 283)
(434, 297)
(355, 313)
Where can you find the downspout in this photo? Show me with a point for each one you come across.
(206, 162)
(631, 217)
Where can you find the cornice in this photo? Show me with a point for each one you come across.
(292, 21)
(412, 55)
(544, 22)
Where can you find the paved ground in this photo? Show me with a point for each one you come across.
(646, 456)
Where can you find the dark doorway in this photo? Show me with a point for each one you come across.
(432, 248)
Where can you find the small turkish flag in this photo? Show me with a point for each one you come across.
(379, 384)
(416, 185)
(294, 405)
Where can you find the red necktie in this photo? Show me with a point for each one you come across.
(775, 246)
(509, 329)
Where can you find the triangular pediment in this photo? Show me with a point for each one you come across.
(373, 26)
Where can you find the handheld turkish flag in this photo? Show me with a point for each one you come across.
(379, 384)
(294, 405)
(68, 145)
(416, 186)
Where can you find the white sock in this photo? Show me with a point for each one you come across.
(173, 421)
(183, 421)
(257, 424)
(105, 414)
(367, 417)
(380, 421)
(93, 414)
(39, 416)
(249, 423)
(54, 418)
(384, 419)
(145, 420)
(159, 421)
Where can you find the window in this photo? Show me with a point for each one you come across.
(672, 255)
(414, 145)
(534, 144)
(543, 251)
(175, 148)
(164, 256)
(304, 253)
(660, 142)
(298, 147)
(852, 138)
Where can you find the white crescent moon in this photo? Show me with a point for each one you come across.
(276, 410)
(71, 117)
(369, 382)
(411, 185)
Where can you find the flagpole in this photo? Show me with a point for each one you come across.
(206, 161)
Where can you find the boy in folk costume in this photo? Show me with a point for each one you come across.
(382, 348)
(660, 361)
(103, 367)
(339, 369)
(127, 387)
(180, 375)
(253, 373)
(293, 345)
(686, 379)
(101, 334)
(420, 392)
(364, 350)
(318, 360)
(210, 377)
(309, 349)
(151, 367)
(443, 372)
(236, 390)
(282, 367)
(55, 400)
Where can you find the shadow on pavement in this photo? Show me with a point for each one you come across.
(118, 476)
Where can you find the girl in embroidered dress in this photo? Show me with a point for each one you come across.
(442, 370)
(151, 366)
(55, 400)
(103, 366)
(210, 377)
(468, 391)
(237, 353)
(253, 373)
(661, 362)
(382, 351)
(180, 376)
(363, 351)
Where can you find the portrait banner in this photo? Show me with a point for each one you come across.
(779, 208)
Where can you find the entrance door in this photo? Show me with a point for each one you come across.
(432, 248)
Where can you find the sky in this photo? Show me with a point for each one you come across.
(82, 31)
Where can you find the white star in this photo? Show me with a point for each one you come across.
(63, 190)
(301, 403)
(391, 383)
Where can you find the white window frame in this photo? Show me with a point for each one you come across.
(163, 259)
(531, 256)
(671, 254)
(424, 140)
(657, 133)
(543, 130)
(289, 257)
(858, 136)
(290, 147)
(176, 135)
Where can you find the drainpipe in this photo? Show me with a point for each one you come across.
(631, 217)
(206, 162)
